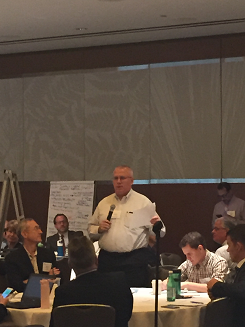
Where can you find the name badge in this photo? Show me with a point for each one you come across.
(47, 266)
(116, 214)
(231, 213)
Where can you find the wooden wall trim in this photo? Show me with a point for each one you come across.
(22, 64)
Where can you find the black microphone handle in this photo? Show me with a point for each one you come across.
(109, 215)
(157, 226)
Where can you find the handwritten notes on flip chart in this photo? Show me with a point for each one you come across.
(75, 200)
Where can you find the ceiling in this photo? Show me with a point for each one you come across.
(37, 25)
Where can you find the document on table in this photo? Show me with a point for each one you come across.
(142, 217)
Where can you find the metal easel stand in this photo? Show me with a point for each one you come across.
(157, 229)
(10, 183)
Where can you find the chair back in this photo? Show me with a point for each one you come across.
(170, 259)
(219, 313)
(89, 315)
(162, 273)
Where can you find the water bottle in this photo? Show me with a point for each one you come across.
(177, 282)
(60, 248)
(171, 292)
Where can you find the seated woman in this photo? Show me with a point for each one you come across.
(11, 235)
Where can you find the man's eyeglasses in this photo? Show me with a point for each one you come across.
(217, 228)
(122, 178)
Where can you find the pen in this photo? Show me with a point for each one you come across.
(197, 302)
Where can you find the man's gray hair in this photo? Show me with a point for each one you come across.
(126, 167)
(23, 224)
(227, 222)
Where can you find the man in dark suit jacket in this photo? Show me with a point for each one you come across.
(61, 223)
(29, 258)
(93, 287)
(236, 290)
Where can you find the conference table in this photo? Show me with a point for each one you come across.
(186, 312)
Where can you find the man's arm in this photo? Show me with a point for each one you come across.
(3, 310)
(96, 227)
(14, 277)
(198, 287)
(234, 290)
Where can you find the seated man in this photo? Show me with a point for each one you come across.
(29, 258)
(221, 227)
(61, 223)
(90, 286)
(201, 265)
(235, 290)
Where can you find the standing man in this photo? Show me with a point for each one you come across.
(29, 259)
(61, 223)
(123, 247)
(90, 286)
(236, 290)
(230, 206)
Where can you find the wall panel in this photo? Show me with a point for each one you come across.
(11, 126)
(186, 120)
(117, 123)
(54, 127)
(233, 118)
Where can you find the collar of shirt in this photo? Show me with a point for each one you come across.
(204, 262)
(124, 198)
(31, 256)
(65, 235)
(225, 242)
(87, 272)
(240, 263)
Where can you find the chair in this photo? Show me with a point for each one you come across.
(163, 273)
(169, 267)
(170, 259)
(219, 313)
(89, 315)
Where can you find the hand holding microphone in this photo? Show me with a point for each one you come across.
(105, 225)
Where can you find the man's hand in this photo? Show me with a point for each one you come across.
(164, 284)
(184, 285)
(3, 300)
(104, 226)
(155, 219)
(54, 271)
(210, 284)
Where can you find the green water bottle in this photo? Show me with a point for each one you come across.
(171, 291)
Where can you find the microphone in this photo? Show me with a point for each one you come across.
(157, 227)
(112, 207)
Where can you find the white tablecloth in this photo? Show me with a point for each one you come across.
(143, 311)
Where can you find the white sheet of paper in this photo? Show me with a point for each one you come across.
(142, 217)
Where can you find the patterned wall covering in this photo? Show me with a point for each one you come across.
(233, 118)
(54, 127)
(117, 123)
(11, 126)
(164, 121)
(186, 123)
